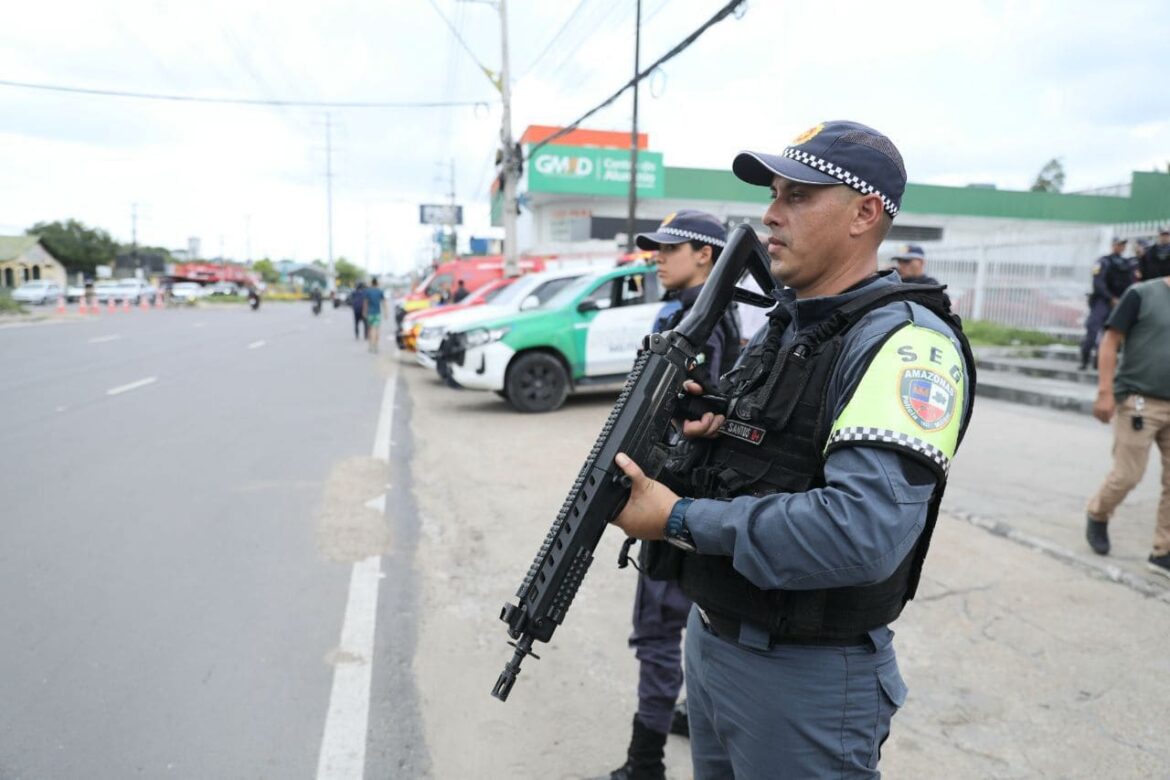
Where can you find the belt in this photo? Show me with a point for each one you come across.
(729, 628)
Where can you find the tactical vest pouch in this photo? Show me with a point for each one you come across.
(660, 560)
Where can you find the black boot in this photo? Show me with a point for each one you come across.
(644, 758)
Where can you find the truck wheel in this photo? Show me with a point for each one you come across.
(537, 383)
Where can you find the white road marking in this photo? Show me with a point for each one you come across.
(150, 380)
(378, 504)
(256, 344)
(104, 339)
(343, 745)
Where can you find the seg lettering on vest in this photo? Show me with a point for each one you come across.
(776, 440)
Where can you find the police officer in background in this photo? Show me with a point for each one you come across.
(1112, 275)
(912, 265)
(687, 246)
(1155, 261)
(803, 532)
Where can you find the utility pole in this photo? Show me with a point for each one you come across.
(134, 261)
(511, 164)
(329, 195)
(451, 215)
(631, 222)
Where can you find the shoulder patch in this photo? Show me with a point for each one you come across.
(910, 397)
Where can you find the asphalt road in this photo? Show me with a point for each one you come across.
(235, 545)
(183, 497)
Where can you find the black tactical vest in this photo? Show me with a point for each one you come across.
(778, 421)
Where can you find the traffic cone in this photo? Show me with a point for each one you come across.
(60, 304)
(142, 303)
(110, 307)
(81, 307)
(158, 300)
(125, 304)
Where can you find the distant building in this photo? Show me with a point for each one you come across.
(309, 276)
(24, 259)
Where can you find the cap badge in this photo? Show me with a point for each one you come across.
(808, 135)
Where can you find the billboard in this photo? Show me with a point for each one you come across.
(440, 214)
(583, 170)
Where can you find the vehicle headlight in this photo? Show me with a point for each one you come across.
(481, 336)
(433, 332)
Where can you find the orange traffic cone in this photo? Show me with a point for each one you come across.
(110, 305)
(81, 307)
(143, 304)
(60, 304)
(158, 300)
(125, 304)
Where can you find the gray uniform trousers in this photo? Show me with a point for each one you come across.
(660, 613)
(793, 711)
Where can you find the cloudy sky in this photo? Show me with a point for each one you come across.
(974, 91)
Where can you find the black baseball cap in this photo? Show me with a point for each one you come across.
(685, 225)
(836, 152)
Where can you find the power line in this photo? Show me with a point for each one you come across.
(242, 101)
(553, 39)
(722, 14)
(487, 71)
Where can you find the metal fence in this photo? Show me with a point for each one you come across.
(1034, 282)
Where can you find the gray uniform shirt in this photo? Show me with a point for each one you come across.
(863, 523)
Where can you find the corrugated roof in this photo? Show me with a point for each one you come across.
(12, 247)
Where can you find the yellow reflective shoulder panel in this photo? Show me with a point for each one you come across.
(911, 396)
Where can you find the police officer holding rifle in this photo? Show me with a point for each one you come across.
(802, 531)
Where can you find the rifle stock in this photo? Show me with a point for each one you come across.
(636, 426)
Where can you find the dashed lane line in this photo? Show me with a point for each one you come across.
(104, 339)
(150, 380)
(257, 344)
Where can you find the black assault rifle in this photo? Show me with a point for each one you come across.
(637, 426)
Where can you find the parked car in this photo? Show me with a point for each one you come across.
(134, 291)
(74, 293)
(587, 334)
(224, 288)
(187, 292)
(105, 291)
(38, 291)
(412, 324)
(474, 271)
(527, 292)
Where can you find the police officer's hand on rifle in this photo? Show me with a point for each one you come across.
(649, 505)
(707, 426)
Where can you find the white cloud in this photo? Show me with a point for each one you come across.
(979, 91)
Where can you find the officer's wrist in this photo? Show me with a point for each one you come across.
(676, 531)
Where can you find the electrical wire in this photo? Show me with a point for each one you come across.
(487, 71)
(553, 39)
(722, 14)
(242, 101)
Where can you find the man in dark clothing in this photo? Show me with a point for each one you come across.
(460, 293)
(1155, 261)
(687, 243)
(357, 301)
(912, 265)
(1112, 275)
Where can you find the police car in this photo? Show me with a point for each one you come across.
(586, 335)
(530, 291)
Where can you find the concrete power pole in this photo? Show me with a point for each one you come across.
(631, 223)
(134, 238)
(329, 196)
(510, 161)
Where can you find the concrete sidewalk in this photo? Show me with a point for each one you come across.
(1020, 663)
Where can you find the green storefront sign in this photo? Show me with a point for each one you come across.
(583, 170)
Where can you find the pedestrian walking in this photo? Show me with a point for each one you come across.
(1155, 261)
(372, 311)
(1134, 393)
(686, 245)
(357, 302)
(803, 529)
(1112, 274)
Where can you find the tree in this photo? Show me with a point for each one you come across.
(79, 248)
(267, 271)
(1050, 178)
(347, 273)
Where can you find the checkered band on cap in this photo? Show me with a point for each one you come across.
(887, 436)
(692, 236)
(856, 182)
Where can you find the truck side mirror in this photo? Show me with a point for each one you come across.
(531, 302)
(585, 306)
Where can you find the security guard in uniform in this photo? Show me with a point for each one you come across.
(1112, 275)
(1155, 261)
(687, 246)
(804, 529)
(912, 265)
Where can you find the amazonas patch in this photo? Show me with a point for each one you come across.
(928, 397)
